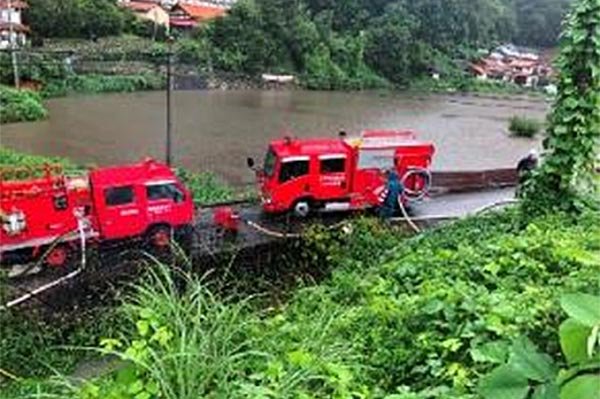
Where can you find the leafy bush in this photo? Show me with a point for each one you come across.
(205, 187)
(524, 369)
(521, 126)
(11, 158)
(398, 318)
(20, 105)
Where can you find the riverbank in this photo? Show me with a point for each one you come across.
(364, 326)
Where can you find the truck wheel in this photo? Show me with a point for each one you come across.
(159, 237)
(58, 257)
(302, 208)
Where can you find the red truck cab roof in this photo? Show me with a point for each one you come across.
(289, 147)
(143, 172)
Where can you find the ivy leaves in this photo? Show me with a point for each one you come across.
(531, 374)
(566, 178)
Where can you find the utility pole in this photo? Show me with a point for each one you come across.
(169, 89)
(13, 42)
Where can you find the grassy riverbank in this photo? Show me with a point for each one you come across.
(397, 317)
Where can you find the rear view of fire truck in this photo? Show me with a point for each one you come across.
(42, 212)
(45, 213)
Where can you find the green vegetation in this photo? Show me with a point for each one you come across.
(14, 159)
(20, 105)
(360, 44)
(526, 370)
(76, 18)
(93, 83)
(206, 188)
(522, 126)
(397, 318)
(567, 179)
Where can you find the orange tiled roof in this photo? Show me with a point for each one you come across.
(203, 13)
(14, 4)
(140, 6)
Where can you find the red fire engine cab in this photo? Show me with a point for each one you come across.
(47, 215)
(305, 175)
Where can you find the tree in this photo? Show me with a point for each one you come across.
(389, 44)
(75, 18)
(538, 21)
(566, 177)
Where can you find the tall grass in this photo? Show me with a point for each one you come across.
(191, 343)
(522, 126)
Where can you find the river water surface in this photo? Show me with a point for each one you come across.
(217, 130)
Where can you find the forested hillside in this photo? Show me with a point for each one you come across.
(331, 44)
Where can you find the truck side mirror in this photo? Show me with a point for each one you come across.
(250, 162)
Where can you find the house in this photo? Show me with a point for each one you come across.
(510, 63)
(150, 10)
(13, 33)
(186, 15)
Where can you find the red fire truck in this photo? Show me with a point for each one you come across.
(47, 215)
(305, 175)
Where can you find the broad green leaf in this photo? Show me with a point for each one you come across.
(584, 308)
(573, 341)
(525, 358)
(582, 387)
(546, 391)
(491, 352)
(504, 382)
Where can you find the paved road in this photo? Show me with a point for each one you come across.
(461, 204)
(449, 206)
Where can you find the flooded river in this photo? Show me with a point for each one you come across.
(217, 130)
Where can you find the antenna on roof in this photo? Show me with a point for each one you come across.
(342, 134)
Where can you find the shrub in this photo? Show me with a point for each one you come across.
(522, 126)
(20, 105)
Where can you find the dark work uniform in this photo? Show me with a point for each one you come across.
(524, 168)
(394, 190)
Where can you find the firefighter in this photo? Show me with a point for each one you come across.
(525, 167)
(394, 189)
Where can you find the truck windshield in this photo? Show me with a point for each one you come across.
(269, 166)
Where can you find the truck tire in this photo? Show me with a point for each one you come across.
(302, 208)
(59, 257)
(158, 238)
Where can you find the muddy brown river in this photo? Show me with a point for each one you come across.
(217, 130)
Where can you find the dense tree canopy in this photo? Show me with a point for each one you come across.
(76, 18)
(332, 44)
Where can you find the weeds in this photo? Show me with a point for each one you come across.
(521, 126)
(20, 106)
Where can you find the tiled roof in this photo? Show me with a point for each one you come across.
(203, 13)
(14, 4)
(140, 6)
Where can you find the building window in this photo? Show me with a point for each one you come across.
(292, 170)
(334, 165)
(115, 196)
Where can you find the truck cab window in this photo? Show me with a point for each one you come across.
(115, 196)
(168, 191)
(292, 170)
(333, 165)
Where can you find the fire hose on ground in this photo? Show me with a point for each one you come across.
(81, 226)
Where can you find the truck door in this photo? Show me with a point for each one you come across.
(333, 177)
(120, 215)
(294, 180)
(166, 203)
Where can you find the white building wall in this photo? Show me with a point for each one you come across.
(10, 15)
